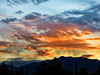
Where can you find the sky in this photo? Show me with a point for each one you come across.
(44, 29)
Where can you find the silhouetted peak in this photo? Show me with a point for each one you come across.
(62, 57)
(80, 58)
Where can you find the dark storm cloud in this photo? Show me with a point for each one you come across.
(33, 15)
(16, 2)
(89, 17)
(95, 7)
(77, 12)
(36, 2)
(8, 20)
(19, 12)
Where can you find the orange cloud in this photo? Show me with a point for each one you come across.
(4, 43)
(1, 47)
(40, 53)
(0, 52)
(29, 48)
(17, 24)
(98, 38)
(46, 38)
(71, 44)
(27, 55)
(51, 32)
(44, 53)
(87, 56)
(2, 15)
(62, 35)
(35, 19)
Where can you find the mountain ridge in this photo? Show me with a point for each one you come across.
(68, 63)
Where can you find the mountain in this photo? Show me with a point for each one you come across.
(68, 63)
(15, 2)
(31, 68)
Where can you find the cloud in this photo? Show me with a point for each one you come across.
(8, 20)
(76, 52)
(19, 12)
(95, 8)
(48, 36)
(69, 52)
(98, 38)
(87, 56)
(75, 12)
(89, 19)
(72, 44)
(43, 53)
(5, 51)
(29, 48)
(36, 2)
(11, 48)
(2, 16)
(4, 44)
(33, 16)
(49, 32)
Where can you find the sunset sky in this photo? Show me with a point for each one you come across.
(44, 29)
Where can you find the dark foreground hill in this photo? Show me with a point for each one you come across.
(68, 63)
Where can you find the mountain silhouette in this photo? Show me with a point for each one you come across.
(68, 63)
